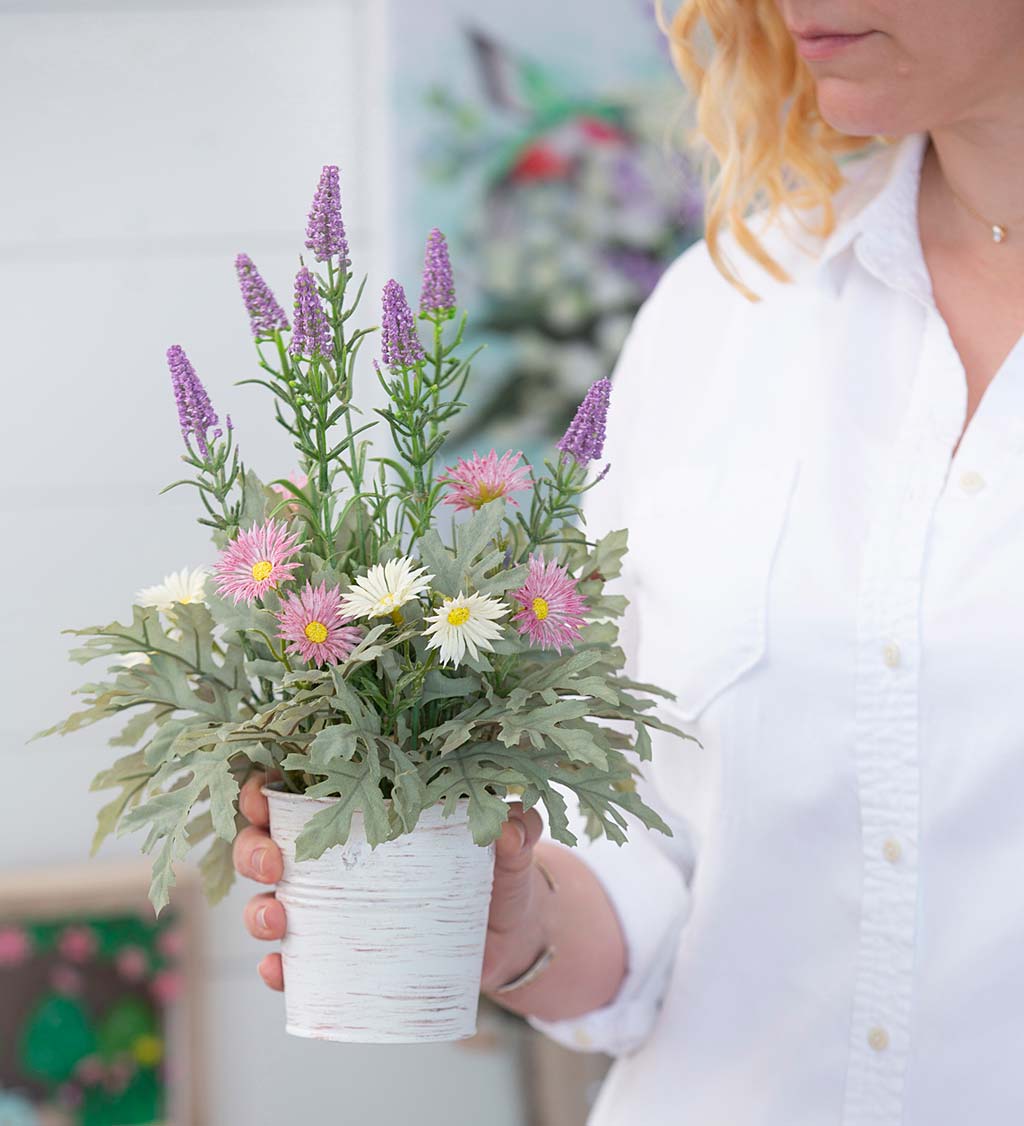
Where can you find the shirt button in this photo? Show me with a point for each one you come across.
(891, 654)
(892, 851)
(972, 482)
(878, 1038)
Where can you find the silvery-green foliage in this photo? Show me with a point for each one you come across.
(382, 733)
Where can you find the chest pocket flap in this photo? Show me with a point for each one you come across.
(702, 569)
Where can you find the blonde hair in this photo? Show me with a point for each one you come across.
(765, 142)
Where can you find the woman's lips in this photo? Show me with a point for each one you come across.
(826, 44)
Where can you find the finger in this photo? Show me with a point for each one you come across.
(251, 803)
(264, 917)
(271, 972)
(256, 856)
(513, 869)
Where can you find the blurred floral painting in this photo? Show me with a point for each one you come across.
(556, 177)
(82, 1023)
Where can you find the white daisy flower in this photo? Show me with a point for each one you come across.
(385, 588)
(466, 622)
(180, 586)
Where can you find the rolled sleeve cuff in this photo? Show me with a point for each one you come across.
(652, 902)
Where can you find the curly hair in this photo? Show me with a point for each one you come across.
(766, 145)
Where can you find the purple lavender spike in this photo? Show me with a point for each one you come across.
(195, 411)
(400, 346)
(584, 440)
(312, 334)
(438, 294)
(265, 315)
(325, 232)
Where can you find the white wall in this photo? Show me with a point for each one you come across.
(142, 144)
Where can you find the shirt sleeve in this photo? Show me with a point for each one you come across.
(646, 880)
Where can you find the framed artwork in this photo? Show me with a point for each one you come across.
(97, 1007)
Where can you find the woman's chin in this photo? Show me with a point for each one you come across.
(852, 110)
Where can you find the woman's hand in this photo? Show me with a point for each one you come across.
(257, 857)
(514, 937)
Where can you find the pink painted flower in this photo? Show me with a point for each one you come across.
(474, 483)
(171, 942)
(77, 944)
(256, 561)
(552, 611)
(315, 627)
(14, 946)
(69, 1095)
(66, 980)
(90, 1070)
(166, 986)
(132, 963)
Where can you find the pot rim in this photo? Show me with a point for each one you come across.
(432, 817)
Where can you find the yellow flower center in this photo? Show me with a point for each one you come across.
(316, 632)
(396, 617)
(262, 569)
(186, 600)
(459, 616)
(540, 609)
(486, 494)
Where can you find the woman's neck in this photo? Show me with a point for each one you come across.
(973, 179)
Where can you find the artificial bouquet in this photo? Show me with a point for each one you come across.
(398, 644)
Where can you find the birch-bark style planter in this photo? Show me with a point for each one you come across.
(383, 945)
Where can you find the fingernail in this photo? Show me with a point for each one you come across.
(261, 918)
(522, 834)
(259, 858)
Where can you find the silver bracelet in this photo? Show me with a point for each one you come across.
(531, 973)
(544, 958)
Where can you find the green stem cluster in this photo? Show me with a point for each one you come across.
(217, 473)
(314, 395)
(423, 398)
(555, 503)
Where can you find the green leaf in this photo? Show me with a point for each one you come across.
(339, 741)
(540, 722)
(132, 775)
(474, 536)
(166, 815)
(607, 555)
(217, 870)
(437, 686)
(439, 562)
(467, 776)
(409, 792)
(356, 784)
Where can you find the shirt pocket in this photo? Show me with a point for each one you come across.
(702, 576)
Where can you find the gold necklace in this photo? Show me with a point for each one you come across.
(1000, 231)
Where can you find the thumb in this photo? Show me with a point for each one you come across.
(513, 869)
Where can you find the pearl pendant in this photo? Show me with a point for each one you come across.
(999, 232)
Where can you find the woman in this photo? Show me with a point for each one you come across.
(825, 490)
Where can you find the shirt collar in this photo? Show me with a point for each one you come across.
(877, 211)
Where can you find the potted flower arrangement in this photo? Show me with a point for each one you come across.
(405, 650)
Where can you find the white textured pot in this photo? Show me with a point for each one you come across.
(384, 945)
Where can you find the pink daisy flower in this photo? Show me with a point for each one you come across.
(313, 623)
(553, 610)
(483, 479)
(256, 561)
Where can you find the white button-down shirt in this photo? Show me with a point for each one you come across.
(835, 934)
